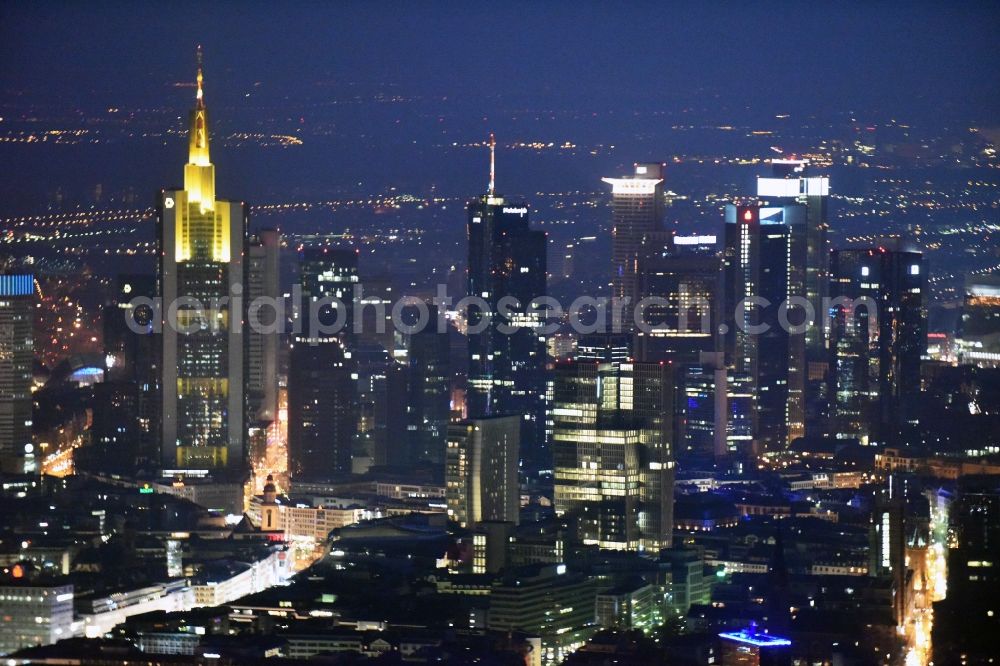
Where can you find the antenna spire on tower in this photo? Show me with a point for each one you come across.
(493, 164)
(200, 95)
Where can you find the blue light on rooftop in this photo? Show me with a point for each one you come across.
(755, 638)
(17, 285)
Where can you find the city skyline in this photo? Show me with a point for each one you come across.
(531, 334)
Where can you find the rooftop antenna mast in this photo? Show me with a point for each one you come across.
(493, 164)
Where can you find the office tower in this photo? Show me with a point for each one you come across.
(577, 254)
(263, 333)
(792, 181)
(323, 402)
(115, 437)
(17, 317)
(966, 620)
(685, 572)
(373, 313)
(201, 275)
(715, 411)
(264, 329)
(682, 318)
(481, 470)
(384, 406)
(322, 409)
(129, 345)
(633, 605)
(887, 550)
(876, 340)
(637, 205)
(429, 392)
(612, 436)
(547, 601)
(764, 329)
(124, 433)
(604, 348)
(507, 369)
(327, 276)
(979, 327)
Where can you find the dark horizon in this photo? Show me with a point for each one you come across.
(916, 60)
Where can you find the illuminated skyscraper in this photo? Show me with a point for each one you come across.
(201, 271)
(637, 210)
(685, 307)
(17, 316)
(507, 369)
(876, 346)
(763, 339)
(612, 443)
(792, 182)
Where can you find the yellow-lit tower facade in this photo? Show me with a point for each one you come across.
(201, 281)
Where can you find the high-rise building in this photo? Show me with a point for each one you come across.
(714, 411)
(877, 339)
(201, 279)
(637, 205)
(429, 392)
(507, 260)
(612, 439)
(684, 304)
(322, 409)
(323, 403)
(17, 316)
(124, 432)
(384, 406)
(327, 276)
(887, 550)
(792, 181)
(966, 621)
(604, 348)
(264, 330)
(372, 316)
(763, 316)
(481, 470)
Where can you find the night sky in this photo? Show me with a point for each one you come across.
(905, 58)
(378, 90)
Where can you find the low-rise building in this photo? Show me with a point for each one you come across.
(34, 613)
